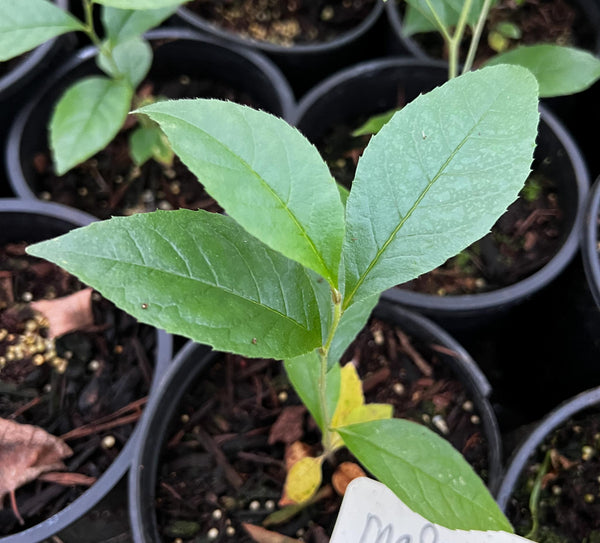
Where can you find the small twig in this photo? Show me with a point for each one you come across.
(418, 360)
(26, 407)
(15, 509)
(93, 428)
(171, 491)
(230, 474)
(66, 478)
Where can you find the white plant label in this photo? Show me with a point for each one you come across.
(371, 513)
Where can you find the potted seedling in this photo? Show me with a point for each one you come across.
(288, 276)
(90, 158)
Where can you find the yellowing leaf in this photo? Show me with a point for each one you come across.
(369, 412)
(351, 395)
(303, 480)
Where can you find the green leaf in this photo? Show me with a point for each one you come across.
(147, 142)
(86, 118)
(352, 322)
(264, 173)
(140, 4)
(437, 177)
(558, 70)
(374, 124)
(25, 24)
(304, 373)
(426, 473)
(419, 16)
(122, 24)
(131, 58)
(196, 274)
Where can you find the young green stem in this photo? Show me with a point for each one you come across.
(455, 41)
(478, 30)
(324, 355)
(88, 11)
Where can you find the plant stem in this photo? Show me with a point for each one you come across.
(324, 355)
(103, 48)
(478, 30)
(455, 41)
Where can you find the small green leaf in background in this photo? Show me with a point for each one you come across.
(25, 24)
(86, 118)
(426, 473)
(132, 59)
(140, 4)
(196, 274)
(374, 124)
(303, 372)
(419, 17)
(122, 24)
(147, 142)
(559, 70)
(264, 173)
(437, 177)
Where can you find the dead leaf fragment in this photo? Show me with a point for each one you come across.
(67, 314)
(261, 535)
(295, 452)
(289, 425)
(26, 452)
(345, 473)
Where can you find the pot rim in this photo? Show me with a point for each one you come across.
(181, 374)
(299, 49)
(505, 296)
(115, 472)
(589, 241)
(545, 426)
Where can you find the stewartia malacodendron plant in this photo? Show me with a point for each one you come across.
(291, 272)
(91, 111)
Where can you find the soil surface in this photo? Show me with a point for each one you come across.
(86, 387)
(569, 502)
(110, 184)
(539, 21)
(285, 22)
(224, 462)
(523, 240)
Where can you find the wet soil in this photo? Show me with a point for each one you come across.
(224, 461)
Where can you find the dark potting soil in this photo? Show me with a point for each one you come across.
(561, 22)
(90, 399)
(111, 184)
(523, 240)
(285, 22)
(224, 462)
(569, 500)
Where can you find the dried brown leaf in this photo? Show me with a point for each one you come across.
(294, 452)
(25, 452)
(345, 473)
(67, 314)
(289, 426)
(261, 535)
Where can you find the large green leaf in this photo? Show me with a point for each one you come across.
(25, 24)
(264, 173)
(426, 473)
(437, 177)
(304, 372)
(419, 16)
(140, 4)
(197, 274)
(122, 24)
(130, 59)
(558, 70)
(86, 118)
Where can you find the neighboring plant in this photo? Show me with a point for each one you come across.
(92, 111)
(559, 70)
(292, 272)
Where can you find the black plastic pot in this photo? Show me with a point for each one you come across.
(590, 242)
(341, 98)
(528, 445)
(306, 64)
(17, 84)
(32, 221)
(179, 51)
(193, 360)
